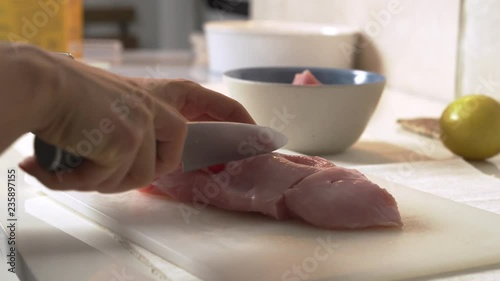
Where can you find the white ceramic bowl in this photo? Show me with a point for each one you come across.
(238, 44)
(323, 119)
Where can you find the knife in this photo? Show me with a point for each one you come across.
(206, 144)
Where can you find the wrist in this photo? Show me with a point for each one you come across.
(34, 84)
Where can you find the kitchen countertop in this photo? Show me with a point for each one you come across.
(84, 250)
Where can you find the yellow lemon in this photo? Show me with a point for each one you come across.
(470, 127)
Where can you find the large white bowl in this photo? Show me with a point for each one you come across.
(323, 119)
(238, 44)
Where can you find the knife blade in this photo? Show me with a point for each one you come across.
(206, 144)
(210, 143)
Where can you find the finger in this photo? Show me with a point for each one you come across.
(135, 167)
(193, 100)
(133, 171)
(203, 117)
(170, 131)
(142, 170)
(138, 166)
(216, 105)
(84, 178)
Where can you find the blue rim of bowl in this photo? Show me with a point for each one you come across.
(369, 78)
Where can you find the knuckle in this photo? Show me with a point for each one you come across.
(143, 114)
(151, 84)
(137, 82)
(179, 84)
(149, 104)
(126, 140)
(132, 140)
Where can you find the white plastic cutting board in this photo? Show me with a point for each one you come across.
(439, 236)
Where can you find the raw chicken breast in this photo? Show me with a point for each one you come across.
(348, 198)
(283, 186)
(305, 78)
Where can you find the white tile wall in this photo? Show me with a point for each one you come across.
(480, 52)
(413, 42)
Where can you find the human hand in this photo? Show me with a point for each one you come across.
(127, 135)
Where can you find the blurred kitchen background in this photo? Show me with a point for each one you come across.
(438, 49)
(157, 24)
